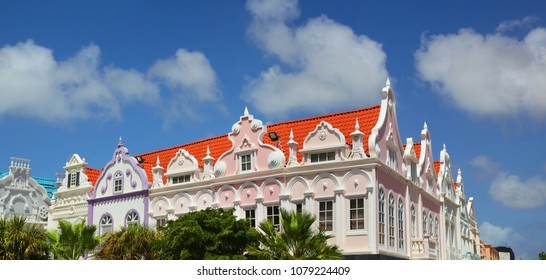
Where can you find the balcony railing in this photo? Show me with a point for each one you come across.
(424, 248)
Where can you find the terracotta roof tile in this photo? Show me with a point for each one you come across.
(345, 122)
(437, 166)
(92, 175)
(417, 149)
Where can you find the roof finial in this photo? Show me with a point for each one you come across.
(357, 126)
(157, 161)
(208, 151)
(425, 126)
(120, 142)
(388, 83)
(246, 111)
(291, 134)
(444, 146)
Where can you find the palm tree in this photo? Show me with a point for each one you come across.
(71, 242)
(135, 242)
(20, 240)
(296, 241)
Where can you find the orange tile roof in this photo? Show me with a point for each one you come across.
(417, 149)
(344, 121)
(437, 166)
(92, 175)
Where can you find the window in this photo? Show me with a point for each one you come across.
(381, 216)
(413, 222)
(105, 224)
(436, 228)
(251, 217)
(392, 159)
(430, 223)
(326, 214)
(131, 218)
(414, 173)
(273, 216)
(356, 213)
(391, 220)
(320, 157)
(424, 223)
(161, 222)
(181, 179)
(400, 224)
(299, 207)
(118, 181)
(73, 179)
(246, 162)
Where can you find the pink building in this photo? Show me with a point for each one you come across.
(376, 196)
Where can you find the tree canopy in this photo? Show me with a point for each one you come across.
(295, 241)
(135, 242)
(207, 234)
(20, 240)
(72, 241)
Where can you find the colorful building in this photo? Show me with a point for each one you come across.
(376, 196)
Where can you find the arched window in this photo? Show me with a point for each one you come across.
(106, 223)
(391, 221)
(430, 223)
(436, 227)
(425, 223)
(413, 222)
(131, 218)
(381, 216)
(400, 223)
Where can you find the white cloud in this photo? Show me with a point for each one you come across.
(33, 83)
(190, 73)
(496, 235)
(330, 66)
(516, 23)
(489, 75)
(512, 192)
(485, 166)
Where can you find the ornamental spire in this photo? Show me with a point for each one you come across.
(157, 161)
(388, 83)
(246, 112)
(357, 126)
(120, 143)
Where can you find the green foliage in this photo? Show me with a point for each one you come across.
(542, 255)
(135, 242)
(297, 241)
(207, 234)
(70, 242)
(20, 240)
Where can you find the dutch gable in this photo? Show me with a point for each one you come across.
(324, 143)
(248, 152)
(384, 141)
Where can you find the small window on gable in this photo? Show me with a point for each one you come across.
(321, 157)
(246, 162)
(73, 179)
(118, 181)
(392, 161)
(181, 179)
(413, 172)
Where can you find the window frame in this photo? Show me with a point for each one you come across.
(274, 216)
(381, 216)
(325, 223)
(252, 218)
(322, 157)
(118, 181)
(106, 223)
(130, 218)
(392, 221)
(401, 239)
(357, 214)
(245, 165)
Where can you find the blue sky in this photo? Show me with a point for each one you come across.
(77, 75)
